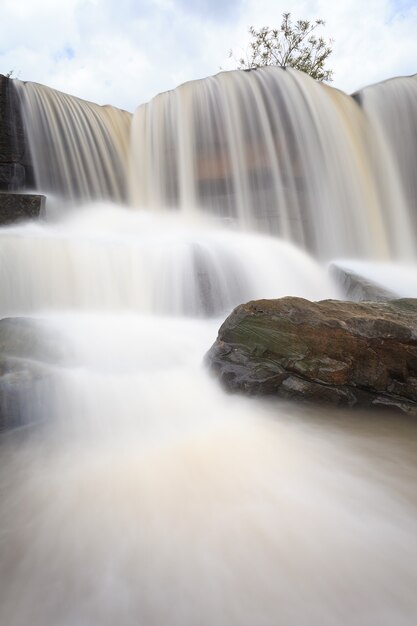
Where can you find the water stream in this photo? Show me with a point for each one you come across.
(141, 493)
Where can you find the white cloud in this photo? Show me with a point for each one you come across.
(372, 41)
(125, 51)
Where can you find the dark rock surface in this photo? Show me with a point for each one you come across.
(342, 353)
(26, 337)
(12, 176)
(16, 171)
(24, 388)
(29, 353)
(16, 207)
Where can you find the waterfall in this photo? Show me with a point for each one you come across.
(136, 491)
(79, 149)
(272, 151)
(110, 259)
(277, 152)
(391, 109)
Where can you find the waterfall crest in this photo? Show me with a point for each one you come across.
(271, 150)
(79, 149)
(277, 152)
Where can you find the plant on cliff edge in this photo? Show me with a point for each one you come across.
(292, 45)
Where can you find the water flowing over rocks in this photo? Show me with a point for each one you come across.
(29, 350)
(359, 288)
(245, 146)
(137, 485)
(342, 353)
(88, 158)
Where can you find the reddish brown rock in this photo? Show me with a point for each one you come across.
(343, 353)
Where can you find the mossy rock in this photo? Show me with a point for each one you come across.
(343, 353)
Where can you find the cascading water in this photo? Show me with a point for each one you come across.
(391, 109)
(143, 494)
(278, 152)
(79, 149)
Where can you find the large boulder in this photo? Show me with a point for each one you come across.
(343, 353)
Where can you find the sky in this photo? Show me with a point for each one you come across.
(124, 52)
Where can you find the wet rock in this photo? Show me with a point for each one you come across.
(341, 353)
(358, 288)
(12, 176)
(16, 171)
(29, 352)
(16, 207)
(24, 388)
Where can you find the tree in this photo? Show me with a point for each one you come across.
(291, 45)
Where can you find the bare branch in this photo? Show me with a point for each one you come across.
(292, 45)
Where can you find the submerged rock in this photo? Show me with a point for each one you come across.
(359, 288)
(24, 388)
(29, 350)
(343, 353)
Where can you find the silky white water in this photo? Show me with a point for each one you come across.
(111, 258)
(277, 152)
(79, 149)
(147, 495)
(142, 494)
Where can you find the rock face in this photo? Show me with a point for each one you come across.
(343, 353)
(16, 171)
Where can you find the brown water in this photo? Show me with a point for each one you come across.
(79, 150)
(257, 513)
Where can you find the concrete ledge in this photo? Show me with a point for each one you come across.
(16, 207)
